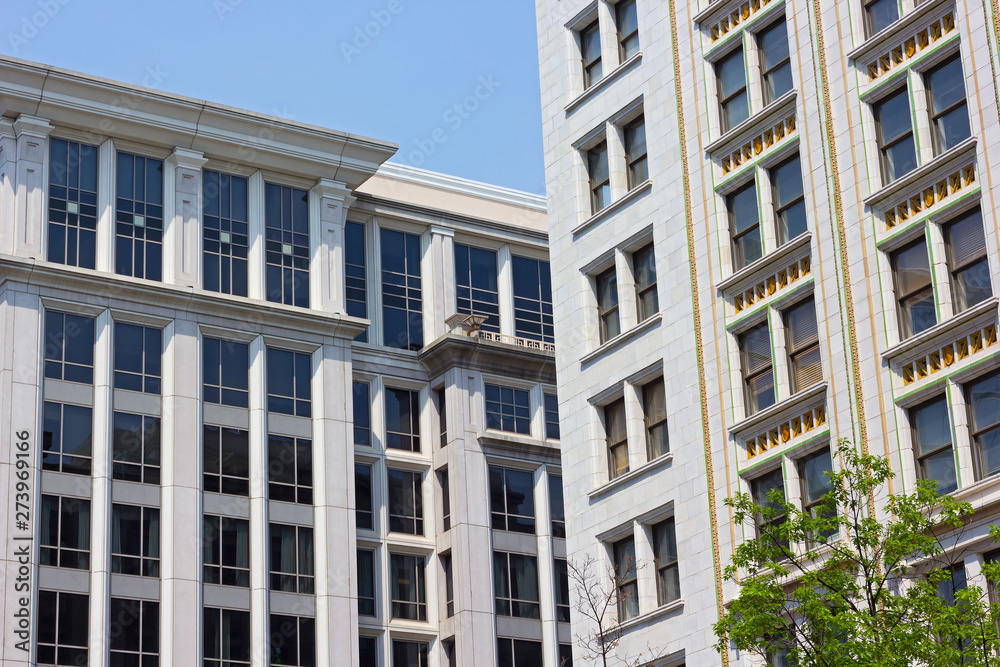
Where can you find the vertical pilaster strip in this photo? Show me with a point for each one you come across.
(8, 183)
(259, 626)
(255, 218)
(328, 204)
(181, 215)
(995, 7)
(546, 573)
(32, 157)
(100, 498)
(106, 157)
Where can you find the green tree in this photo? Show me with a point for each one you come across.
(841, 586)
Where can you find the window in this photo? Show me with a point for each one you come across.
(289, 469)
(72, 226)
(365, 511)
(744, 225)
(758, 376)
(225, 372)
(518, 653)
(368, 652)
(970, 271)
(614, 428)
(732, 77)
(783, 657)
(69, 347)
(288, 382)
(654, 409)
(356, 282)
(366, 582)
(445, 499)
(135, 540)
(600, 177)
(67, 438)
(402, 419)
(607, 304)
(63, 628)
(406, 511)
(951, 584)
(668, 578)
(134, 632)
(409, 654)
(565, 655)
(562, 589)
(814, 472)
(982, 396)
(225, 230)
(402, 314)
(628, 29)
(449, 585)
(293, 641)
(914, 291)
(362, 414)
(137, 358)
(789, 201)
(291, 558)
(286, 245)
(476, 287)
(761, 489)
(879, 14)
(644, 268)
(442, 405)
(627, 581)
(507, 409)
(226, 550)
(551, 416)
(557, 512)
(512, 500)
(408, 600)
(139, 217)
(65, 532)
(894, 128)
(590, 47)
(532, 300)
(515, 580)
(803, 345)
(226, 460)
(775, 65)
(450, 652)
(949, 110)
(226, 637)
(635, 151)
(136, 448)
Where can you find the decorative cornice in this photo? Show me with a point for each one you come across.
(932, 171)
(463, 186)
(32, 126)
(944, 329)
(888, 37)
(777, 412)
(758, 132)
(780, 255)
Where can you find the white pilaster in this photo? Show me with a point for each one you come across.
(182, 217)
(32, 157)
(546, 573)
(328, 205)
(505, 283)
(437, 269)
(628, 312)
(8, 182)
(106, 207)
(259, 626)
(255, 218)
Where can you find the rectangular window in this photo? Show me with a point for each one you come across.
(654, 412)
(775, 64)
(135, 452)
(226, 550)
(628, 29)
(137, 358)
(789, 200)
(744, 225)
(225, 372)
(69, 347)
(402, 300)
(293, 641)
(402, 419)
(409, 654)
(368, 652)
(406, 502)
(366, 583)
(226, 460)
(565, 655)
(67, 438)
(813, 471)
(512, 500)
(139, 217)
(442, 405)
(803, 345)
(590, 48)
(356, 276)
(614, 429)
(135, 632)
(289, 375)
(408, 600)
(644, 269)
(518, 653)
(894, 127)
(562, 589)
(732, 77)
(607, 304)
(508, 409)
(932, 444)
(551, 416)
(63, 628)
(72, 229)
(600, 177)
(364, 505)
(226, 637)
(668, 578)
(762, 489)
(135, 540)
(362, 414)
(449, 585)
(635, 151)
(970, 271)
(226, 241)
(515, 581)
(292, 568)
(65, 532)
(952, 584)
(445, 499)
(286, 245)
(532, 300)
(949, 109)
(879, 14)
(914, 290)
(450, 653)
(758, 374)
(557, 511)
(476, 289)
(985, 422)
(289, 469)
(626, 579)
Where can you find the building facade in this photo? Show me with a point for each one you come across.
(265, 398)
(772, 226)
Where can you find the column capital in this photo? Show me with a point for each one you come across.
(331, 189)
(32, 126)
(188, 159)
(441, 231)
(7, 129)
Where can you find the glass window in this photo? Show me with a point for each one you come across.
(732, 78)
(949, 110)
(953, 583)
(518, 653)
(449, 585)
(134, 633)
(614, 428)
(65, 532)
(368, 652)
(476, 289)
(776, 66)
(628, 29)
(654, 408)
(983, 396)
(136, 448)
(292, 558)
(137, 358)
(789, 201)
(532, 300)
(63, 628)
(914, 291)
(289, 375)
(409, 654)
(356, 278)
(226, 231)
(644, 268)
(895, 135)
(293, 641)
(226, 460)
(562, 589)
(932, 444)
(72, 228)
(600, 177)
(408, 601)
(366, 583)
(402, 300)
(226, 637)
(590, 47)
(803, 345)
(970, 271)
(565, 655)
(668, 579)
(445, 499)
(814, 472)
(557, 511)
(627, 581)
(744, 225)
(286, 245)
(761, 490)
(758, 375)
(289, 469)
(139, 217)
(406, 502)
(362, 414)
(442, 406)
(226, 550)
(364, 505)
(135, 540)
(450, 653)
(225, 372)
(879, 14)
(402, 419)
(508, 409)
(512, 500)
(67, 438)
(515, 582)
(607, 304)
(551, 416)
(635, 152)
(69, 347)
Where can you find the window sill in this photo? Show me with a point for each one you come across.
(632, 475)
(668, 608)
(614, 206)
(755, 123)
(608, 345)
(519, 444)
(928, 335)
(878, 199)
(889, 36)
(779, 255)
(603, 83)
(754, 421)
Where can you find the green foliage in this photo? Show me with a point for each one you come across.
(877, 591)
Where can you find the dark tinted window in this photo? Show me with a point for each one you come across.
(134, 632)
(402, 419)
(65, 532)
(225, 372)
(551, 416)
(67, 438)
(139, 217)
(476, 289)
(226, 460)
(362, 414)
(532, 300)
(366, 582)
(293, 641)
(286, 245)
(512, 500)
(557, 512)
(226, 237)
(289, 375)
(138, 358)
(69, 347)
(72, 229)
(406, 505)
(363, 496)
(226, 637)
(289, 469)
(508, 409)
(402, 300)
(226, 550)
(407, 579)
(356, 279)
(135, 452)
(63, 628)
(292, 566)
(135, 540)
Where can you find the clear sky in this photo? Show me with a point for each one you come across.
(453, 82)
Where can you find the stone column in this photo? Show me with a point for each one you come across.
(328, 205)
(182, 218)
(106, 207)
(546, 572)
(255, 219)
(8, 183)
(437, 271)
(29, 217)
(259, 625)
(505, 285)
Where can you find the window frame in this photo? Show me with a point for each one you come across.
(745, 90)
(640, 289)
(870, 27)
(498, 411)
(632, 162)
(214, 471)
(760, 501)
(419, 585)
(366, 406)
(75, 463)
(764, 71)
(77, 207)
(974, 432)
(627, 583)
(739, 259)
(150, 374)
(509, 518)
(596, 155)
(918, 458)
(589, 66)
(466, 300)
(516, 607)
(147, 641)
(304, 626)
(62, 624)
(221, 569)
(413, 487)
(228, 230)
(301, 489)
(897, 290)
(126, 231)
(238, 395)
(665, 566)
(404, 288)
(954, 269)
(620, 8)
(411, 436)
(59, 341)
(372, 556)
(651, 426)
(53, 554)
(221, 660)
(794, 354)
(148, 561)
(934, 117)
(752, 407)
(779, 208)
(608, 280)
(303, 577)
(301, 396)
(356, 273)
(615, 445)
(884, 146)
(287, 254)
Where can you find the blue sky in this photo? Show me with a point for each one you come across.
(453, 82)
